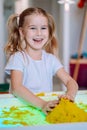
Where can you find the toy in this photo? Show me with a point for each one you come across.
(81, 3)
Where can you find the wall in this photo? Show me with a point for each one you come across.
(76, 19)
(2, 57)
(45, 4)
(75, 23)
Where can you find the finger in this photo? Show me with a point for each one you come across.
(56, 101)
(52, 104)
(67, 97)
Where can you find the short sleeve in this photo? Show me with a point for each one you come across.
(15, 62)
(56, 65)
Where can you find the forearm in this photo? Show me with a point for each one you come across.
(34, 100)
(28, 96)
(72, 87)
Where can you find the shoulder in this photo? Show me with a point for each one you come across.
(52, 58)
(49, 56)
(53, 62)
(17, 58)
(15, 62)
(17, 55)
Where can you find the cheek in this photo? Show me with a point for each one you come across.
(47, 34)
(28, 35)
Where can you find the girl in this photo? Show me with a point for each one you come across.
(33, 61)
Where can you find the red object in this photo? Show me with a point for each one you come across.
(81, 3)
(82, 74)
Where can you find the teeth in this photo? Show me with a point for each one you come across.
(37, 39)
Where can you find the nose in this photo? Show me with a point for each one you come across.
(39, 32)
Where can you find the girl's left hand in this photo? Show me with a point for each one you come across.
(67, 96)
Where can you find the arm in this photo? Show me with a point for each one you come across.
(69, 82)
(19, 90)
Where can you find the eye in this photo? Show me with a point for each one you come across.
(32, 28)
(44, 28)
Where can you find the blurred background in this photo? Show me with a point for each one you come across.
(70, 18)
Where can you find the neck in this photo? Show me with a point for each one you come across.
(35, 54)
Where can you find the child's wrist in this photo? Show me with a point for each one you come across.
(43, 104)
(70, 96)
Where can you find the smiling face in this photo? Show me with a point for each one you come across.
(35, 31)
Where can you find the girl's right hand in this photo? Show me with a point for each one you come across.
(49, 105)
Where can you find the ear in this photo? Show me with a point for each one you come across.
(21, 32)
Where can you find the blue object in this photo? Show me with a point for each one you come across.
(83, 55)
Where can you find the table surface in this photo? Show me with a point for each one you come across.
(81, 97)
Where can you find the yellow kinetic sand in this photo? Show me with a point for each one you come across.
(66, 111)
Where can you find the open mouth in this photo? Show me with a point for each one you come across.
(38, 40)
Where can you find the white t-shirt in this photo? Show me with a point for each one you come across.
(37, 74)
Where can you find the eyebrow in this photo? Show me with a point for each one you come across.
(36, 25)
